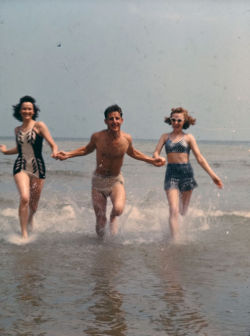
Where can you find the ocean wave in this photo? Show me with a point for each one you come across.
(50, 172)
(6, 203)
(218, 213)
(71, 173)
(5, 175)
(137, 224)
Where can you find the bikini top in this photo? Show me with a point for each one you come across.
(180, 146)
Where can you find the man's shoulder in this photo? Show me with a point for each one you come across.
(98, 134)
(127, 136)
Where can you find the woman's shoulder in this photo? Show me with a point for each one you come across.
(40, 128)
(17, 129)
(189, 137)
(39, 124)
(164, 137)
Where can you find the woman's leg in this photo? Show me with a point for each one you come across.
(173, 202)
(36, 186)
(185, 200)
(23, 185)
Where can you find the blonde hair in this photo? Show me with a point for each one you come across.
(188, 120)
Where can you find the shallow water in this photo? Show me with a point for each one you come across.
(64, 281)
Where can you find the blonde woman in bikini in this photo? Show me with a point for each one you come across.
(29, 168)
(179, 178)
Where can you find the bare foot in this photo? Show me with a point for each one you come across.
(113, 227)
(31, 226)
(25, 234)
(100, 230)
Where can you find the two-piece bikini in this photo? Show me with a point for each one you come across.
(179, 175)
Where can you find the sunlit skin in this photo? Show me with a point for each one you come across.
(29, 187)
(179, 201)
(111, 145)
(27, 112)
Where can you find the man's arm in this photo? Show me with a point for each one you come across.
(85, 150)
(135, 154)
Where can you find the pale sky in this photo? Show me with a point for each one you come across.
(77, 57)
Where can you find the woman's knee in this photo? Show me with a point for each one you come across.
(24, 200)
(174, 211)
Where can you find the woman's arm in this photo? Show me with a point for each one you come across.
(159, 146)
(6, 151)
(202, 161)
(11, 151)
(44, 131)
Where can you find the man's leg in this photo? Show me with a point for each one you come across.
(118, 197)
(99, 204)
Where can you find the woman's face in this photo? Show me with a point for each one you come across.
(177, 120)
(27, 111)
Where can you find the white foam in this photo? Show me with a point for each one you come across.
(140, 223)
(9, 212)
(245, 214)
(19, 240)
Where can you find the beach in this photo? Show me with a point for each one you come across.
(64, 281)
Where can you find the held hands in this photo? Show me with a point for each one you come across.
(54, 155)
(159, 161)
(61, 156)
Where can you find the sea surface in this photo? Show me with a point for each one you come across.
(63, 281)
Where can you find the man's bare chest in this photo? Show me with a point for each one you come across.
(112, 149)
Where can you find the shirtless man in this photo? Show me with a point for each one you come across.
(111, 145)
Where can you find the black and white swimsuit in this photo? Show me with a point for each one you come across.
(29, 158)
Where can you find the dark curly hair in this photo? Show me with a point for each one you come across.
(188, 119)
(112, 108)
(17, 107)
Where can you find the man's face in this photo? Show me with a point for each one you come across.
(114, 121)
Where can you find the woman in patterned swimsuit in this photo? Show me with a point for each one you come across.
(29, 169)
(179, 179)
